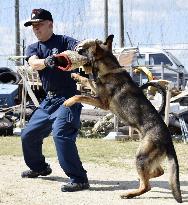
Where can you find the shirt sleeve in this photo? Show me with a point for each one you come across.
(70, 42)
(30, 51)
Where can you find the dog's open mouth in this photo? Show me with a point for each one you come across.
(87, 67)
(87, 48)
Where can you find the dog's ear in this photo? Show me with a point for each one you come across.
(98, 50)
(109, 41)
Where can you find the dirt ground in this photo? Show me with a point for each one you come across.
(107, 183)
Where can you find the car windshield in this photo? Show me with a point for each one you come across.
(176, 61)
(158, 58)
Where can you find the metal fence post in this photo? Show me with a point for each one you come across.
(116, 128)
(178, 81)
(162, 70)
(167, 108)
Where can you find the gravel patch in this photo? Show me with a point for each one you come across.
(107, 183)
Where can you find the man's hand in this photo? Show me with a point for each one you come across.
(60, 61)
(51, 61)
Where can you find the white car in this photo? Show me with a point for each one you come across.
(160, 62)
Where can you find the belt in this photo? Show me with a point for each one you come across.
(52, 94)
(56, 93)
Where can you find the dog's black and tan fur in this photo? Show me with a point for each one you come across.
(116, 91)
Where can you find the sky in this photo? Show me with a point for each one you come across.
(148, 22)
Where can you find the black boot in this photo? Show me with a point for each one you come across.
(71, 187)
(34, 174)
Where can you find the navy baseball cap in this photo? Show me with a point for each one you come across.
(39, 15)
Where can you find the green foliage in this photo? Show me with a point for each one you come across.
(86, 133)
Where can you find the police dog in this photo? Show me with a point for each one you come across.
(117, 92)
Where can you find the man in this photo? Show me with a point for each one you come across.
(51, 115)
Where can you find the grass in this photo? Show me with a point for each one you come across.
(112, 153)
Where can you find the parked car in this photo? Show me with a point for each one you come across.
(160, 62)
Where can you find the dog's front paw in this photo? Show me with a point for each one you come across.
(75, 76)
(69, 102)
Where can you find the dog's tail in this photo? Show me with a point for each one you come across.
(174, 174)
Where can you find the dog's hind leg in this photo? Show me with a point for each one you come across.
(143, 172)
(157, 172)
(148, 166)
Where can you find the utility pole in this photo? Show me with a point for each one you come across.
(105, 18)
(121, 24)
(17, 30)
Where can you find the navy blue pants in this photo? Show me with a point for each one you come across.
(63, 122)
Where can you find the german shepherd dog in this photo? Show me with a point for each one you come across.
(117, 92)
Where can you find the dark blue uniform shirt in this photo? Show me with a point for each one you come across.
(54, 79)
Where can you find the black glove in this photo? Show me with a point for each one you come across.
(51, 61)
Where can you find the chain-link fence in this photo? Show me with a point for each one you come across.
(180, 52)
